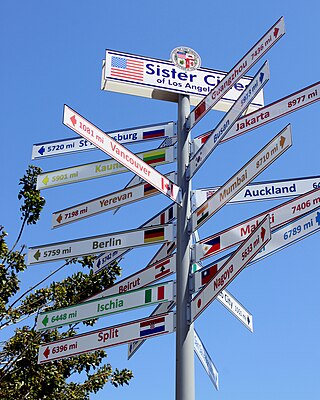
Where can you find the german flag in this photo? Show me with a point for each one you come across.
(154, 235)
(155, 156)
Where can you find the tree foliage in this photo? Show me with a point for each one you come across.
(21, 377)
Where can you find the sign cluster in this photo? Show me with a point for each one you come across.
(256, 238)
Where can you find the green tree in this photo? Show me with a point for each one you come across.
(20, 375)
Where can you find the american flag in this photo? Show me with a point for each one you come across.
(127, 68)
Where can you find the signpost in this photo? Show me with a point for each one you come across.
(269, 113)
(115, 150)
(92, 245)
(160, 79)
(232, 267)
(279, 215)
(241, 68)
(105, 306)
(223, 127)
(75, 145)
(274, 149)
(106, 337)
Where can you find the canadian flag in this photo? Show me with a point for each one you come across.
(167, 186)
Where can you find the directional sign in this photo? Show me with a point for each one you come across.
(142, 278)
(115, 150)
(241, 68)
(132, 135)
(163, 217)
(257, 83)
(233, 266)
(206, 361)
(92, 245)
(101, 168)
(106, 337)
(277, 146)
(105, 203)
(106, 305)
(279, 215)
(159, 79)
(273, 111)
(268, 190)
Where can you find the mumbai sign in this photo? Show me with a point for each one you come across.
(115, 150)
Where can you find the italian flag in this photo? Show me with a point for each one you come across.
(154, 294)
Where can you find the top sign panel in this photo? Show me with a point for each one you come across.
(162, 80)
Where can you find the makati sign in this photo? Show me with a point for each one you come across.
(159, 79)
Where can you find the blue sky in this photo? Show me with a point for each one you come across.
(52, 54)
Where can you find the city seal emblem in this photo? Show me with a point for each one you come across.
(185, 58)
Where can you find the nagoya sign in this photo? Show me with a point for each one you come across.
(105, 306)
(115, 150)
(257, 83)
(253, 55)
(233, 266)
(277, 146)
(159, 79)
(74, 145)
(92, 245)
(106, 337)
(280, 215)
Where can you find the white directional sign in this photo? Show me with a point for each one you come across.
(75, 145)
(257, 83)
(162, 80)
(241, 68)
(206, 361)
(115, 150)
(268, 190)
(277, 146)
(106, 337)
(92, 245)
(163, 217)
(279, 215)
(101, 168)
(105, 306)
(105, 203)
(269, 113)
(142, 278)
(232, 267)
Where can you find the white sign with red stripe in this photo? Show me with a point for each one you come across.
(108, 305)
(257, 83)
(106, 337)
(269, 113)
(105, 203)
(146, 276)
(92, 245)
(233, 266)
(163, 217)
(159, 79)
(268, 190)
(101, 168)
(265, 157)
(132, 135)
(240, 69)
(279, 215)
(115, 150)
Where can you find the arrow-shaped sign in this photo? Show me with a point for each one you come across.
(240, 69)
(45, 180)
(125, 157)
(46, 352)
(232, 267)
(224, 126)
(37, 255)
(245, 175)
(45, 320)
(42, 150)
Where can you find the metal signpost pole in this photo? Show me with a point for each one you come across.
(184, 331)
